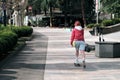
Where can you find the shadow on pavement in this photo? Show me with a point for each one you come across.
(34, 52)
(7, 77)
(103, 66)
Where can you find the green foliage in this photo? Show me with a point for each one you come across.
(3, 46)
(22, 31)
(41, 23)
(9, 36)
(66, 6)
(36, 6)
(90, 25)
(89, 10)
(2, 27)
(8, 40)
(104, 23)
(111, 6)
(44, 6)
(110, 22)
(97, 25)
(115, 21)
(107, 22)
(74, 8)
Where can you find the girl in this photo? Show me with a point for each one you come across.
(77, 40)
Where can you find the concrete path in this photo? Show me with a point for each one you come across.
(49, 56)
(28, 64)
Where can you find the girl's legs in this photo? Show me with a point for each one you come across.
(83, 55)
(80, 47)
(83, 58)
(77, 53)
(82, 50)
(76, 56)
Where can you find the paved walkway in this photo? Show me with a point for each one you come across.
(50, 57)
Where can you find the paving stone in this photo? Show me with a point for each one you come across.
(49, 56)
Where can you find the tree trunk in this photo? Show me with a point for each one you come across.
(83, 12)
(50, 15)
(66, 6)
(19, 14)
(45, 12)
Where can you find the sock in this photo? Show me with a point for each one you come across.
(76, 60)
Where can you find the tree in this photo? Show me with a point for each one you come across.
(111, 6)
(89, 6)
(36, 6)
(51, 4)
(44, 6)
(79, 8)
(18, 7)
(83, 11)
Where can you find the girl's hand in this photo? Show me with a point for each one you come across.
(71, 44)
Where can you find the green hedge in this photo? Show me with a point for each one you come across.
(93, 25)
(90, 25)
(105, 23)
(23, 31)
(8, 40)
(110, 22)
(9, 36)
(115, 21)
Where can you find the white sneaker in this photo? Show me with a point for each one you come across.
(76, 61)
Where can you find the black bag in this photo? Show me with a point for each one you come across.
(87, 48)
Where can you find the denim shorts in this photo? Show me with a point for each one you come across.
(80, 45)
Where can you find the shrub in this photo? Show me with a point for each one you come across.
(93, 25)
(2, 27)
(107, 22)
(8, 40)
(22, 31)
(115, 21)
(42, 23)
(97, 25)
(9, 36)
(90, 25)
(3, 46)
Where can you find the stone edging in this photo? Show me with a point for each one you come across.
(111, 29)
